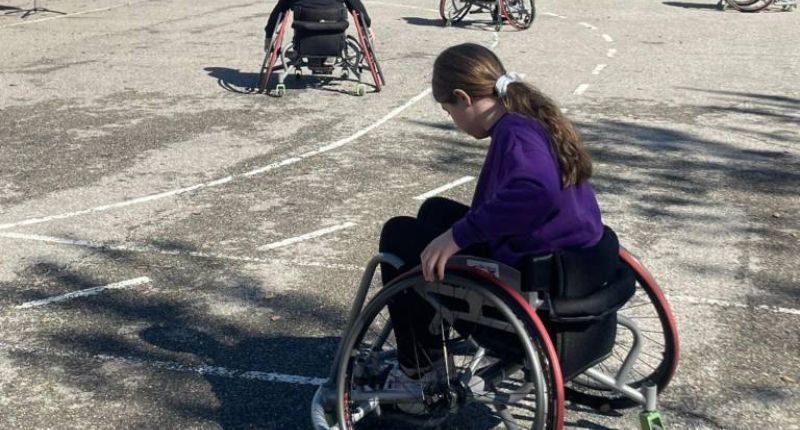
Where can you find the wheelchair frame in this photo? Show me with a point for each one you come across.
(333, 392)
(499, 9)
(363, 56)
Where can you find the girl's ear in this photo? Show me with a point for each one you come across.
(462, 96)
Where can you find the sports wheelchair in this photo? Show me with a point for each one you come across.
(516, 351)
(321, 45)
(518, 13)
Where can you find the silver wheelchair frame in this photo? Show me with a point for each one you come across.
(328, 410)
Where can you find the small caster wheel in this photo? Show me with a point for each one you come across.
(361, 90)
(651, 421)
(345, 75)
(448, 23)
(298, 74)
(280, 90)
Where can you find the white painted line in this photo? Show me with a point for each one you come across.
(103, 208)
(554, 14)
(608, 38)
(272, 166)
(371, 127)
(587, 25)
(174, 366)
(599, 69)
(148, 249)
(72, 14)
(726, 304)
(221, 181)
(444, 188)
(313, 234)
(611, 53)
(83, 293)
(581, 89)
(227, 179)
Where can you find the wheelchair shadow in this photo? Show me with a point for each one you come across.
(709, 6)
(253, 399)
(239, 82)
(430, 22)
(233, 80)
(585, 424)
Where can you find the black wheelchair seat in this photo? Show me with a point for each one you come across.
(587, 286)
(319, 32)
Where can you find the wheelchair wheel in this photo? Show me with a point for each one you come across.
(477, 385)
(750, 5)
(453, 11)
(658, 358)
(519, 13)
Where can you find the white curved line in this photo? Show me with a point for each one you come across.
(227, 179)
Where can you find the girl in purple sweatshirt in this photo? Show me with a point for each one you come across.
(533, 196)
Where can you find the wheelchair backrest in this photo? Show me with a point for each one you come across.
(319, 32)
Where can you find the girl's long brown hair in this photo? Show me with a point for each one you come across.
(475, 69)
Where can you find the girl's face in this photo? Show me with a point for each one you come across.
(465, 116)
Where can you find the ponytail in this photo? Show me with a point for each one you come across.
(573, 159)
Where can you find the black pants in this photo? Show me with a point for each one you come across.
(406, 237)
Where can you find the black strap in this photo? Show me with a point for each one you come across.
(539, 273)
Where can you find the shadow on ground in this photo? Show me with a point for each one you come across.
(178, 343)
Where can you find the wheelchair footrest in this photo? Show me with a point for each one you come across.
(651, 420)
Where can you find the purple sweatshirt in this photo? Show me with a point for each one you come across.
(519, 207)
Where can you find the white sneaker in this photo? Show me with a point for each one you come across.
(398, 380)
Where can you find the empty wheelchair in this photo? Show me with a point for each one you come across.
(516, 347)
(322, 46)
(518, 13)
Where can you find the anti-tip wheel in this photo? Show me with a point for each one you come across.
(280, 90)
(361, 90)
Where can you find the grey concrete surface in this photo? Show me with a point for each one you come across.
(117, 118)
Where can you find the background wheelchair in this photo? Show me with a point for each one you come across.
(321, 45)
(518, 13)
(515, 355)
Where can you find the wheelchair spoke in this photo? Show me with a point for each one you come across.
(627, 307)
(651, 339)
(651, 355)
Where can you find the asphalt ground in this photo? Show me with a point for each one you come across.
(134, 155)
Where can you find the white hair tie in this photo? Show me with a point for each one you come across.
(501, 85)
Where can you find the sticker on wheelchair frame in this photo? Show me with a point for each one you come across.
(486, 266)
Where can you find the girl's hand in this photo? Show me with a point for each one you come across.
(435, 255)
